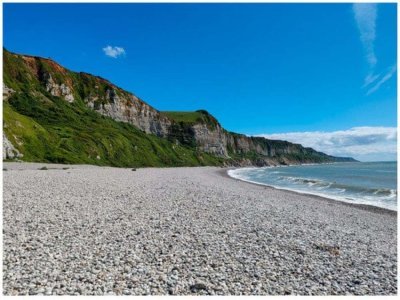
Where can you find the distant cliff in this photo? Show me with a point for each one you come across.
(52, 114)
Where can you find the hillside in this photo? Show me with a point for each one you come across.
(52, 114)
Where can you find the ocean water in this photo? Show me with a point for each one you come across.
(372, 183)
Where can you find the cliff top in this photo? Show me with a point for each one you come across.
(192, 117)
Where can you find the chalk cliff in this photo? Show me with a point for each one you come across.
(45, 95)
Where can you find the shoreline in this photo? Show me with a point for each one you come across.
(88, 230)
(368, 207)
(223, 171)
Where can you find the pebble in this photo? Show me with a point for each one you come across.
(111, 231)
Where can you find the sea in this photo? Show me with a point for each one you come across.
(371, 183)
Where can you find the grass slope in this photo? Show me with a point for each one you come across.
(61, 132)
(184, 116)
(189, 118)
(46, 128)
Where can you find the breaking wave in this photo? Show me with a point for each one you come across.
(364, 183)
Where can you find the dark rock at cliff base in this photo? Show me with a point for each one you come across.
(198, 286)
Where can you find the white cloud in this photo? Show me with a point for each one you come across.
(385, 78)
(363, 143)
(365, 16)
(114, 51)
(371, 78)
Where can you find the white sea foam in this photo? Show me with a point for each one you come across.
(335, 187)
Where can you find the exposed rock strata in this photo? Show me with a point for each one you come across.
(59, 90)
(109, 100)
(9, 151)
(128, 108)
(7, 92)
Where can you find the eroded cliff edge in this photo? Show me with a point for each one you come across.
(55, 115)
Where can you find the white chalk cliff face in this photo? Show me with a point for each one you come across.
(211, 140)
(9, 151)
(125, 107)
(7, 92)
(204, 135)
(59, 90)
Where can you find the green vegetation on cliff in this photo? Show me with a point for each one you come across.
(65, 133)
(55, 115)
(192, 117)
(47, 128)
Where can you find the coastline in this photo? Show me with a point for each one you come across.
(89, 230)
(368, 207)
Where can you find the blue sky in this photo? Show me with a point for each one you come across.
(260, 69)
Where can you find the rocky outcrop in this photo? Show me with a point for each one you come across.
(125, 107)
(9, 151)
(59, 90)
(242, 150)
(44, 77)
(7, 92)
(211, 140)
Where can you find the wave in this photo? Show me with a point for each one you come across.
(340, 186)
(353, 193)
(302, 180)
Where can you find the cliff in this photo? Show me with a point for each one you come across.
(56, 115)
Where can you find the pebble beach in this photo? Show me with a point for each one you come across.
(87, 230)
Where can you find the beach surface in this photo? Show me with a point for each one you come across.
(86, 230)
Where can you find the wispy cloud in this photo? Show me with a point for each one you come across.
(363, 143)
(365, 16)
(385, 78)
(114, 51)
(371, 78)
